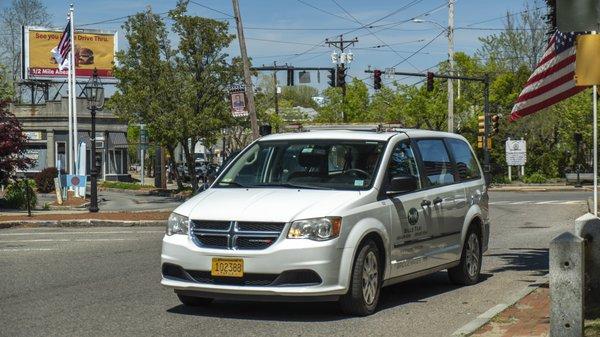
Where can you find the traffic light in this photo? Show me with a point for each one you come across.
(377, 79)
(495, 125)
(341, 77)
(429, 81)
(98, 161)
(290, 77)
(481, 130)
(331, 78)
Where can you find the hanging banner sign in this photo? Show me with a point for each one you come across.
(238, 100)
(516, 153)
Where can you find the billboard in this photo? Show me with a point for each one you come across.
(93, 49)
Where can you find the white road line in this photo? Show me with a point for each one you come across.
(548, 202)
(65, 240)
(529, 202)
(78, 233)
(521, 202)
(25, 249)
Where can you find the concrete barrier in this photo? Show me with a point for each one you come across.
(567, 265)
(588, 228)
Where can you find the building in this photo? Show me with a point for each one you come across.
(46, 126)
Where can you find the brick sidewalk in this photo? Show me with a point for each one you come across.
(529, 317)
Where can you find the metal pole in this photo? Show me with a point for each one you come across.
(595, 103)
(94, 172)
(142, 154)
(486, 109)
(451, 65)
(73, 93)
(509, 173)
(69, 90)
(247, 78)
(275, 84)
(27, 196)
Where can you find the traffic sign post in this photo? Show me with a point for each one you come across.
(516, 155)
(143, 148)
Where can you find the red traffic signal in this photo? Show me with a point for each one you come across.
(377, 79)
(429, 81)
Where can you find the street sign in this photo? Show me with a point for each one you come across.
(74, 180)
(143, 137)
(516, 153)
(587, 70)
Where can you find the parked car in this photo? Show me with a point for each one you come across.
(331, 215)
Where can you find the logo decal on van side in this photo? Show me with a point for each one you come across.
(413, 216)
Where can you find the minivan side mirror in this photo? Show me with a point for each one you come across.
(402, 184)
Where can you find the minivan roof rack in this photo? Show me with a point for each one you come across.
(352, 127)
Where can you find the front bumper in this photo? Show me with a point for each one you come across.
(324, 258)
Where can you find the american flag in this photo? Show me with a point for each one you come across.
(553, 80)
(61, 52)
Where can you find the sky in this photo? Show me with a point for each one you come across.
(293, 31)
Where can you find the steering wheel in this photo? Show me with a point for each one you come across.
(365, 174)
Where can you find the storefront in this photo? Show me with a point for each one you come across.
(46, 127)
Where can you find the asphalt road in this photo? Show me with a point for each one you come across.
(105, 282)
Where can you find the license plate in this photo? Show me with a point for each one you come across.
(227, 267)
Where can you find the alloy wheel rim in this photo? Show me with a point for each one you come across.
(370, 278)
(472, 255)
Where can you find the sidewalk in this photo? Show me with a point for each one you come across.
(530, 317)
(538, 188)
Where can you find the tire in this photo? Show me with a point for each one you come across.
(468, 271)
(194, 301)
(361, 299)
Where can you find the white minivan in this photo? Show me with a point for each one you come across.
(331, 216)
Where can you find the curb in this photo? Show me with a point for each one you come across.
(82, 223)
(484, 318)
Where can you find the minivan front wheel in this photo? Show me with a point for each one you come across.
(365, 285)
(469, 269)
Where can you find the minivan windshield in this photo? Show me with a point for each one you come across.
(310, 164)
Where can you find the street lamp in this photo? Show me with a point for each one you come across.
(94, 92)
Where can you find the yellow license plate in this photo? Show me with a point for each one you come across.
(227, 267)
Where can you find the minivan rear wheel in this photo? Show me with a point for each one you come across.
(363, 295)
(194, 301)
(469, 269)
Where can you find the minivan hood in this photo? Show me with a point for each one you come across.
(265, 204)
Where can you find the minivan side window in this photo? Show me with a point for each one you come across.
(439, 170)
(466, 164)
(403, 163)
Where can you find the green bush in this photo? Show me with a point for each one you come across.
(45, 179)
(535, 178)
(16, 194)
(123, 185)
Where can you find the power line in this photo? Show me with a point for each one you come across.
(420, 49)
(212, 9)
(115, 20)
(323, 11)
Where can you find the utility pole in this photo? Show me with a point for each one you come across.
(451, 65)
(341, 61)
(247, 78)
(275, 84)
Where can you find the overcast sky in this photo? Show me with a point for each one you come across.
(274, 20)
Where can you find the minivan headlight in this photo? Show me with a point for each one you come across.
(177, 224)
(319, 229)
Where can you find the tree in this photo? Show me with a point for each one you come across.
(180, 93)
(148, 88)
(19, 13)
(12, 144)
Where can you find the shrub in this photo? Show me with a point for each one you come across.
(16, 194)
(45, 179)
(535, 178)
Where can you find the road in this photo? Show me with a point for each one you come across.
(105, 282)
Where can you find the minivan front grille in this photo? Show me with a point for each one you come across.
(234, 234)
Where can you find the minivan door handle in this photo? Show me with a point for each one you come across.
(425, 203)
(437, 200)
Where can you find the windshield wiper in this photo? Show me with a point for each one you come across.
(292, 186)
(232, 183)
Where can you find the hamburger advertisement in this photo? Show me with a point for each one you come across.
(93, 49)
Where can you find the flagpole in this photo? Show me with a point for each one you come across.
(595, 103)
(74, 94)
(69, 90)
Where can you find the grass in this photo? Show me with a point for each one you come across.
(592, 324)
(124, 185)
